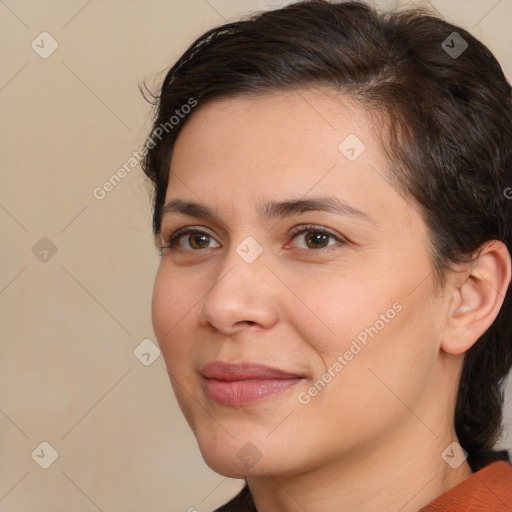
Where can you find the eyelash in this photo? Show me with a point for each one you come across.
(174, 237)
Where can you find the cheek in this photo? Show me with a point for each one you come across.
(334, 312)
(371, 323)
(171, 309)
(387, 344)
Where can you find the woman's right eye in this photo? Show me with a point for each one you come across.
(194, 238)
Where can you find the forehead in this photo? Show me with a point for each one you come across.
(306, 131)
(245, 150)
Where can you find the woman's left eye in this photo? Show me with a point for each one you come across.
(316, 237)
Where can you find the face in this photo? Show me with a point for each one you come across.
(298, 303)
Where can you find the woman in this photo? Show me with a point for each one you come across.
(333, 300)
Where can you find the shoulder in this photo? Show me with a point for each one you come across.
(490, 488)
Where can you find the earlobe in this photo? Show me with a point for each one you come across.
(478, 298)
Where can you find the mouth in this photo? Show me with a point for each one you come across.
(244, 383)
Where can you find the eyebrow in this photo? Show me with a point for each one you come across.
(273, 209)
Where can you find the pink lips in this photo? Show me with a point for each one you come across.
(243, 383)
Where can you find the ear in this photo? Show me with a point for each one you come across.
(478, 294)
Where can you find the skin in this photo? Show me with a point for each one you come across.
(372, 438)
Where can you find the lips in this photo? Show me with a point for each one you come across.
(243, 383)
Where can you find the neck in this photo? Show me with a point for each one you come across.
(405, 474)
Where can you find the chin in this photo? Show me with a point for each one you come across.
(224, 461)
(225, 467)
(240, 458)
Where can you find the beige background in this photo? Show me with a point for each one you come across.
(70, 321)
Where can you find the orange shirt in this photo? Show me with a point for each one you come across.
(487, 490)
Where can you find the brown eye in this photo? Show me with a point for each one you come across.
(198, 241)
(190, 239)
(316, 237)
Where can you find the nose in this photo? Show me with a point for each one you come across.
(239, 295)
